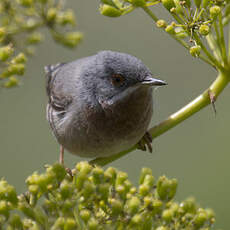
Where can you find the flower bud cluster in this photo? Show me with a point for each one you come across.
(22, 20)
(99, 199)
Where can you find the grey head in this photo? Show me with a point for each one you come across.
(113, 75)
(100, 105)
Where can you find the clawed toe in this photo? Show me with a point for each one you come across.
(146, 140)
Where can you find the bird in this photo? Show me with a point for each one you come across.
(101, 104)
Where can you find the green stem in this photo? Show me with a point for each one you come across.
(214, 46)
(188, 110)
(150, 13)
(208, 54)
(222, 41)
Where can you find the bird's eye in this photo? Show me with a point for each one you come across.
(117, 80)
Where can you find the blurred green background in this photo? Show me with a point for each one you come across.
(195, 152)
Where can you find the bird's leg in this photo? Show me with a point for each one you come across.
(61, 161)
(146, 140)
(61, 156)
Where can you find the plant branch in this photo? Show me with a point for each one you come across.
(188, 110)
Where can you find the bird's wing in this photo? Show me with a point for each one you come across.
(57, 100)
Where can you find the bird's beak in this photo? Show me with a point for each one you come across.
(150, 81)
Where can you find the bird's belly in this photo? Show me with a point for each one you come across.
(108, 132)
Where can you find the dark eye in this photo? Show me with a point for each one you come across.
(117, 80)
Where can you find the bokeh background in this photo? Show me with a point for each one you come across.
(196, 152)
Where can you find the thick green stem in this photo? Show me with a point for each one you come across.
(194, 106)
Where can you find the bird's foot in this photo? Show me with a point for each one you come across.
(146, 140)
(61, 161)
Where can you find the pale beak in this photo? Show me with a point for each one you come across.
(150, 81)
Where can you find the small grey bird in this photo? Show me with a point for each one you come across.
(100, 105)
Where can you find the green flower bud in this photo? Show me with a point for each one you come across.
(26, 3)
(214, 11)
(6, 52)
(167, 215)
(147, 201)
(205, 3)
(4, 208)
(7, 192)
(161, 23)
(66, 17)
(138, 3)
(200, 218)
(88, 189)
(110, 174)
(166, 188)
(168, 4)
(2, 32)
(35, 38)
(197, 3)
(210, 213)
(189, 205)
(15, 222)
(157, 205)
(149, 180)
(133, 190)
(59, 223)
(195, 51)
(162, 228)
(51, 14)
(93, 224)
(66, 190)
(34, 189)
(121, 177)
(98, 175)
(84, 167)
(136, 219)
(170, 29)
(144, 189)
(116, 206)
(133, 205)
(18, 69)
(85, 215)
(58, 170)
(20, 58)
(204, 30)
(70, 224)
(12, 81)
(109, 11)
(178, 6)
(103, 190)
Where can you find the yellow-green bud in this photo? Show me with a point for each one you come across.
(2, 32)
(72, 39)
(70, 224)
(195, 51)
(205, 3)
(116, 206)
(15, 222)
(162, 228)
(17, 69)
(200, 219)
(103, 190)
(20, 58)
(12, 81)
(66, 189)
(167, 215)
(121, 177)
(138, 3)
(98, 175)
(136, 219)
(170, 29)
(168, 4)
(109, 11)
(6, 52)
(33, 189)
(161, 23)
(214, 11)
(144, 189)
(4, 208)
(51, 14)
(26, 3)
(110, 173)
(93, 224)
(133, 205)
(34, 38)
(204, 30)
(66, 17)
(85, 215)
(178, 6)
